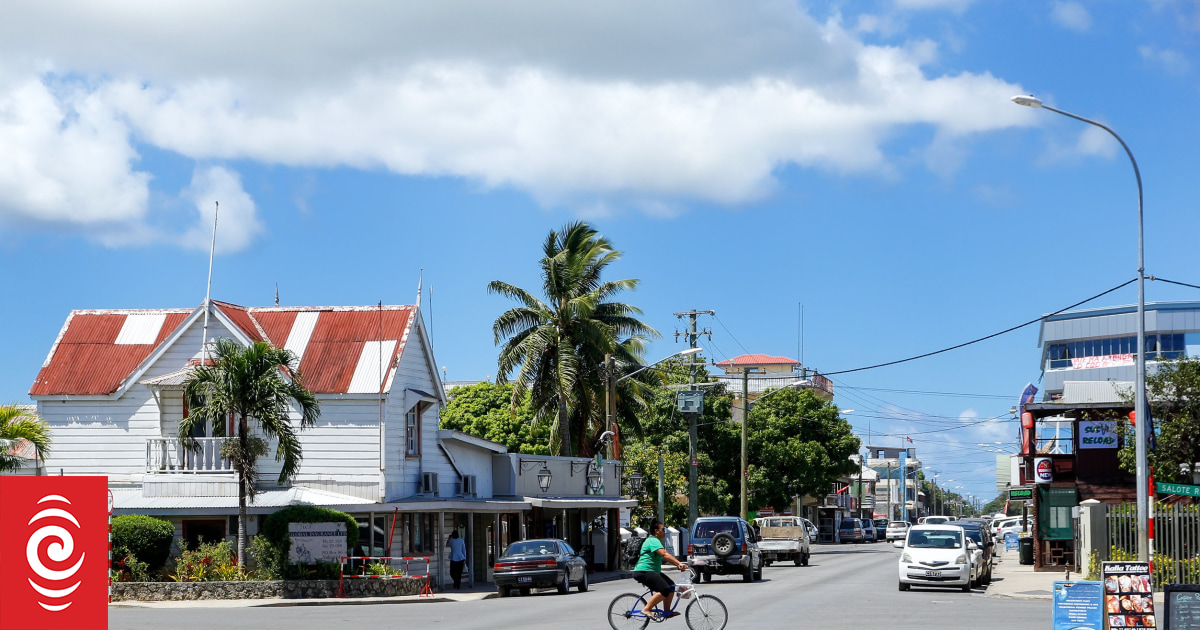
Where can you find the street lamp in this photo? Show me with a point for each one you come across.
(1139, 404)
(610, 398)
(635, 483)
(544, 477)
(595, 477)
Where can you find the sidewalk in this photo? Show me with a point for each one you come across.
(474, 593)
(1013, 580)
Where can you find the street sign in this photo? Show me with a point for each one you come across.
(1020, 494)
(1177, 488)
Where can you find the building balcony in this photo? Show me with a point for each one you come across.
(168, 456)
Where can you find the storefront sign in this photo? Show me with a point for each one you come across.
(1128, 595)
(54, 541)
(1020, 494)
(1043, 469)
(1182, 606)
(1078, 606)
(317, 542)
(1101, 434)
(1177, 488)
(1111, 360)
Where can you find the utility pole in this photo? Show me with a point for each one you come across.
(693, 492)
(610, 404)
(661, 510)
(745, 438)
(890, 488)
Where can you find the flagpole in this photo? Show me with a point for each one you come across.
(208, 292)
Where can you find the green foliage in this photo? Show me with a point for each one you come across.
(485, 410)
(798, 444)
(146, 538)
(131, 569)
(381, 569)
(17, 423)
(267, 560)
(275, 534)
(1174, 395)
(208, 562)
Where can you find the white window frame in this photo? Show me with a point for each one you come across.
(412, 431)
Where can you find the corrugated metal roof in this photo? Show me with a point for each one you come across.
(132, 499)
(758, 359)
(332, 343)
(176, 379)
(1077, 392)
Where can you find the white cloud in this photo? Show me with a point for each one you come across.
(1071, 15)
(237, 220)
(958, 6)
(587, 105)
(1169, 60)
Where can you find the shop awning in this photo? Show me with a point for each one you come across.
(567, 503)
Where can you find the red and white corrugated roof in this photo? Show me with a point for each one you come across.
(341, 349)
(758, 359)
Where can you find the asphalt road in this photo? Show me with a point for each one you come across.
(851, 586)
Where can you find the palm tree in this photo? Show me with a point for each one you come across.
(557, 347)
(257, 382)
(17, 423)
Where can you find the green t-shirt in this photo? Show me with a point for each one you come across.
(649, 559)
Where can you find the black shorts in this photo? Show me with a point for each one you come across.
(655, 581)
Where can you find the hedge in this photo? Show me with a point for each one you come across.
(276, 526)
(147, 538)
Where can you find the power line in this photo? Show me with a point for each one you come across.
(1182, 284)
(735, 339)
(974, 341)
(926, 393)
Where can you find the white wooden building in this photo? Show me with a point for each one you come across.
(111, 391)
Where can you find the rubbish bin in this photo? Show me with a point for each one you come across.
(1026, 549)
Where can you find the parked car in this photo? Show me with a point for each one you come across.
(897, 530)
(813, 532)
(881, 528)
(539, 563)
(978, 533)
(936, 520)
(783, 538)
(936, 555)
(851, 530)
(727, 545)
(868, 527)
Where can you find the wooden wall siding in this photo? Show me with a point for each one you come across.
(404, 474)
(189, 486)
(363, 488)
(101, 437)
(344, 441)
(473, 461)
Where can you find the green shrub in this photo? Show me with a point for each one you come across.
(144, 537)
(266, 559)
(275, 531)
(208, 562)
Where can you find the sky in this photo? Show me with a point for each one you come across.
(857, 161)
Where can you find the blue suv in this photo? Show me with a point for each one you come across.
(728, 546)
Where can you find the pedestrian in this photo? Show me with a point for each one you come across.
(458, 557)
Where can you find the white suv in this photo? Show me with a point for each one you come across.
(936, 555)
(897, 530)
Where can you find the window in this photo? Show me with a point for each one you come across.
(412, 423)
(1158, 347)
(416, 531)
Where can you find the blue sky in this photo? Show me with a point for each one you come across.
(861, 159)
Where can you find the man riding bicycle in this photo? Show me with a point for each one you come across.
(648, 570)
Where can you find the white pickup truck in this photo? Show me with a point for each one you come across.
(783, 538)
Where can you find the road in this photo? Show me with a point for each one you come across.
(852, 586)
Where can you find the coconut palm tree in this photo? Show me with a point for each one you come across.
(556, 347)
(256, 383)
(17, 423)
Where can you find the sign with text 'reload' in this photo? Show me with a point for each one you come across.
(1128, 595)
(1097, 434)
(54, 542)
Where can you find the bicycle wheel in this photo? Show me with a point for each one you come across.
(706, 613)
(625, 612)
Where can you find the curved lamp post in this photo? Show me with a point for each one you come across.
(1139, 404)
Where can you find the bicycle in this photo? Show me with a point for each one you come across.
(703, 612)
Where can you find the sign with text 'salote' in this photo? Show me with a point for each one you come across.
(1128, 595)
(1177, 488)
(317, 542)
(1078, 606)
(1097, 434)
(54, 542)
(1181, 607)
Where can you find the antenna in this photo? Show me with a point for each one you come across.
(208, 292)
(420, 279)
(276, 294)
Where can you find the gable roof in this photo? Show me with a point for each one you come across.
(758, 359)
(341, 349)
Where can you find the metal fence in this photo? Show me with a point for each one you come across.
(1176, 540)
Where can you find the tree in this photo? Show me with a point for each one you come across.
(1173, 392)
(798, 445)
(557, 346)
(17, 423)
(485, 410)
(245, 384)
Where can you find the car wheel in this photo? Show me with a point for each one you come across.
(706, 576)
(799, 560)
(807, 555)
(525, 592)
(748, 574)
(966, 587)
(565, 586)
(758, 573)
(767, 563)
(723, 545)
(504, 591)
(904, 587)
(583, 584)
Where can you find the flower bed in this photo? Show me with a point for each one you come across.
(285, 589)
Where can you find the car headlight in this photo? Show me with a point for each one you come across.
(962, 559)
(904, 557)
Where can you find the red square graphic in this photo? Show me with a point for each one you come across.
(53, 553)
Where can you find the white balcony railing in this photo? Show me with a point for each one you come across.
(167, 455)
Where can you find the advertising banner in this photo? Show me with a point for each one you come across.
(1107, 361)
(1043, 469)
(317, 542)
(1078, 606)
(1101, 434)
(1128, 596)
(54, 542)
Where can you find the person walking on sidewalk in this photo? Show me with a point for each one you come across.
(458, 557)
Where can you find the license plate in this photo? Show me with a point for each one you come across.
(522, 580)
(933, 574)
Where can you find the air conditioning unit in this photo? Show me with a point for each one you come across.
(429, 484)
(469, 486)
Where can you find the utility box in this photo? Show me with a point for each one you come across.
(690, 401)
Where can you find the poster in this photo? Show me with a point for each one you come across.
(1128, 595)
(317, 542)
(1182, 606)
(1078, 606)
(1097, 434)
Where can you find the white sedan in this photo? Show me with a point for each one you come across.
(936, 555)
(896, 530)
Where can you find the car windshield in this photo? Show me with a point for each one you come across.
(779, 522)
(974, 535)
(935, 539)
(708, 529)
(900, 525)
(533, 548)
(850, 523)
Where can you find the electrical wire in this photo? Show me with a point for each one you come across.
(735, 339)
(974, 341)
(927, 393)
(1182, 284)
